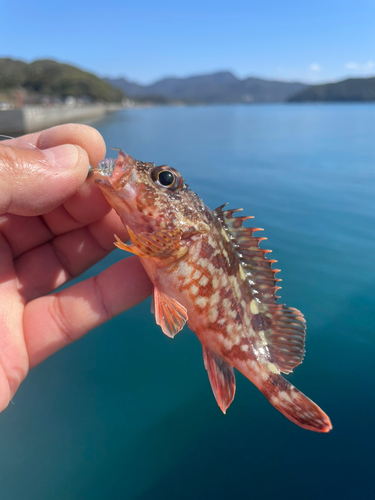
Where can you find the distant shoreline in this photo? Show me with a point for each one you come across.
(34, 118)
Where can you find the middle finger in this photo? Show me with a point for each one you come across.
(45, 268)
(25, 233)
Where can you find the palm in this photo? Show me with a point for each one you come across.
(39, 254)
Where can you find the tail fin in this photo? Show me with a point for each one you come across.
(294, 405)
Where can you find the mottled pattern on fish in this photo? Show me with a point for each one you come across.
(208, 270)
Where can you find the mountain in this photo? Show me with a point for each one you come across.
(353, 89)
(53, 79)
(222, 87)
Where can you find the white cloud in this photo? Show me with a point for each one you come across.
(351, 65)
(360, 67)
(315, 67)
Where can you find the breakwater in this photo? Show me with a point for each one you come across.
(34, 118)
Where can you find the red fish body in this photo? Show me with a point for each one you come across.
(208, 270)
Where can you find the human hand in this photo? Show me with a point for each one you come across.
(53, 225)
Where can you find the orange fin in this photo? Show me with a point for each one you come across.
(162, 245)
(129, 248)
(169, 313)
(221, 376)
(253, 259)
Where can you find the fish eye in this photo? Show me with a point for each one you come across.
(166, 177)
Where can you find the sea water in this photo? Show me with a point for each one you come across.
(127, 413)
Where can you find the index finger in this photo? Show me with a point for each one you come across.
(88, 204)
(72, 133)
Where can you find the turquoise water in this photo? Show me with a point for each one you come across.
(127, 413)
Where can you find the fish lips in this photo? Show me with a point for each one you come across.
(117, 185)
(123, 170)
(120, 176)
(122, 190)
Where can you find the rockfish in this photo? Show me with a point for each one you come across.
(209, 272)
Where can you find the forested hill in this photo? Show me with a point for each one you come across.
(53, 79)
(221, 87)
(351, 90)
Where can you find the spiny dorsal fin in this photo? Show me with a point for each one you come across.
(284, 327)
(221, 376)
(255, 265)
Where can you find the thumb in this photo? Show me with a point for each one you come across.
(34, 182)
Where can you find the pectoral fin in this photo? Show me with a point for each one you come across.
(129, 248)
(221, 376)
(164, 245)
(169, 313)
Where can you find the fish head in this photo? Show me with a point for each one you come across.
(151, 198)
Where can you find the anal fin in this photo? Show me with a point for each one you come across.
(222, 379)
(170, 315)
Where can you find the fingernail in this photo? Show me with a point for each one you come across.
(64, 157)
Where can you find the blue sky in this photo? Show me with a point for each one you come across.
(147, 40)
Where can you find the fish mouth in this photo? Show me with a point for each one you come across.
(122, 190)
(119, 186)
(121, 174)
(104, 185)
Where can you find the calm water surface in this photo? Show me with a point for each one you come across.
(127, 413)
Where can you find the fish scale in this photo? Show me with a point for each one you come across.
(209, 272)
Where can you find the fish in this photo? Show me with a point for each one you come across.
(210, 273)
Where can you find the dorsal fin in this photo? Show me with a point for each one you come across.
(255, 265)
(283, 327)
(285, 336)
